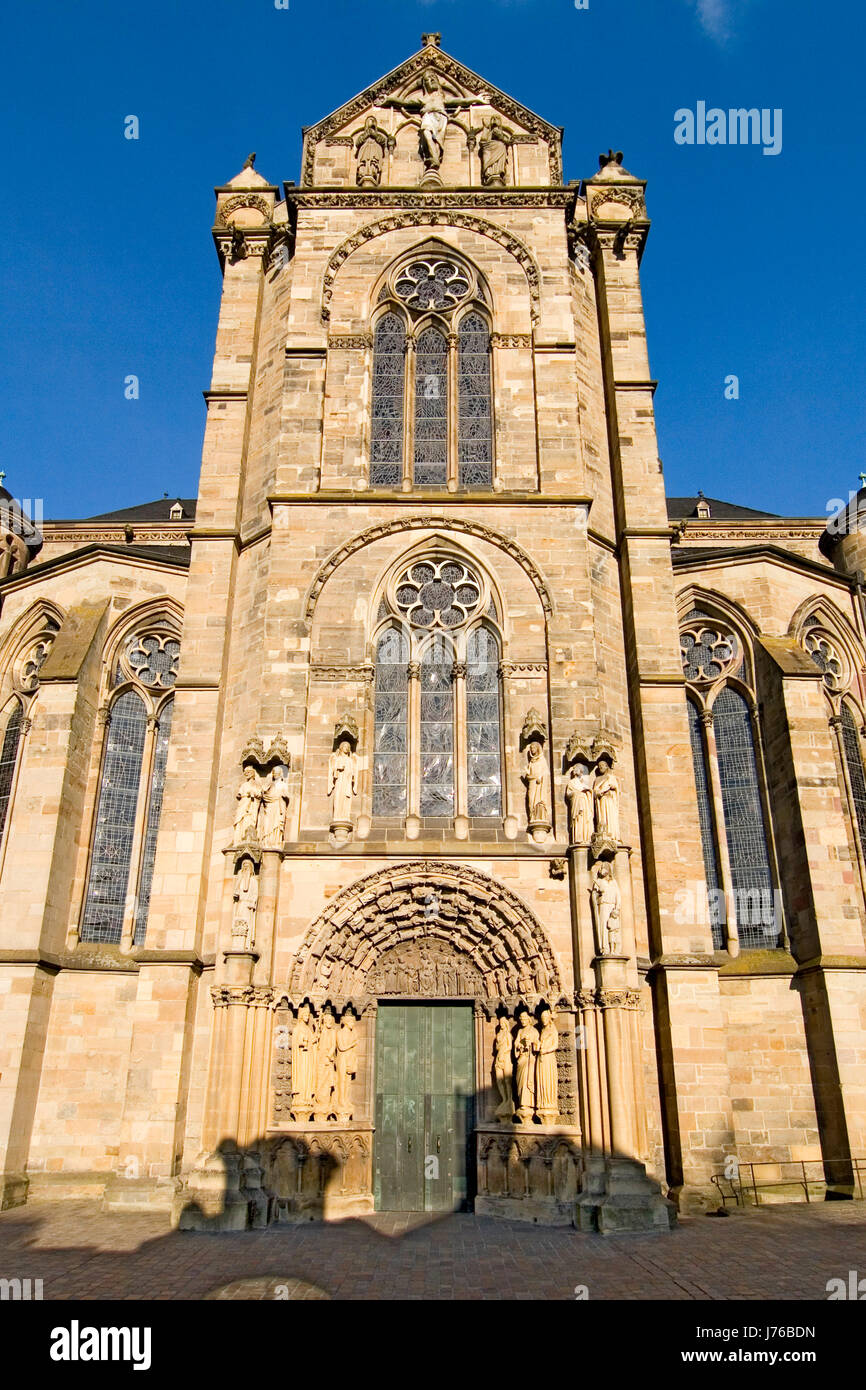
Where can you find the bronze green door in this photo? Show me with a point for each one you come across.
(425, 1099)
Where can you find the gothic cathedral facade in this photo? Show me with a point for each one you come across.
(431, 815)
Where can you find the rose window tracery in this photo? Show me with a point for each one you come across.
(33, 659)
(151, 659)
(826, 657)
(438, 593)
(432, 284)
(708, 652)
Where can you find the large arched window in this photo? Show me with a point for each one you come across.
(840, 662)
(438, 746)
(137, 729)
(432, 415)
(740, 875)
(22, 677)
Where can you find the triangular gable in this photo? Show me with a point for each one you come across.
(404, 79)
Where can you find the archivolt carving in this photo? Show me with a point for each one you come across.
(418, 523)
(441, 907)
(434, 217)
(242, 200)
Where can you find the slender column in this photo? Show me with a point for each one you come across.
(711, 763)
(458, 681)
(413, 805)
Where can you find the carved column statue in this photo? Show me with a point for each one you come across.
(274, 808)
(249, 799)
(246, 897)
(343, 777)
(580, 801)
(503, 1068)
(606, 793)
(526, 1045)
(536, 777)
(303, 1065)
(546, 1080)
(606, 901)
(326, 1067)
(347, 1065)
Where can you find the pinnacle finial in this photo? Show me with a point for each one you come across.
(861, 476)
(431, 40)
(250, 161)
(612, 157)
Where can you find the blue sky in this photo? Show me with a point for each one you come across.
(107, 268)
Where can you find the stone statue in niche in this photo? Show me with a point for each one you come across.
(326, 1066)
(434, 108)
(580, 800)
(535, 778)
(303, 1065)
(526, 1043)
(274, 808)
(606, 793)
(606, 901)
(347, 1065)
(546, 1082)
(503, 1069)
(249, 799)
(342, 782)
(371, 142)
(246, 897)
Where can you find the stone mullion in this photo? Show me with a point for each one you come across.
(413, 790)
(461, 740)
(839, 740)
(717, 813)
(452, 415)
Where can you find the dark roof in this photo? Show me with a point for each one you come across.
(685, 556)
(679, 507)
(150, 511)
(177, 555)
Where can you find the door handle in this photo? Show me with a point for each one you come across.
(438, 1144)
(410, 1144)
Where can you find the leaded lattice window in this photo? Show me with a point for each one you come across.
(154, 811)
(111, 855)
(751, 876)
(391, 736)
(705, 817)
(437, 416)
(389, 371)
(856, 777)
(9, 757)
(826, 657)
(437, 728)
(484, 757)
(431, 409)
(475, 422)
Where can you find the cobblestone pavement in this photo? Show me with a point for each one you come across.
(81, 1252)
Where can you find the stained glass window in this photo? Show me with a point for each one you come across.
(484, 761)
(854, 760)
(475, 424)
(154, 810)
(437, 728)
(431, 409)
(9, 757)
(386, 457)
(826, 658)
(391, 747)
(153, 660)
(708, 839)
(111, 856)
(751, 877)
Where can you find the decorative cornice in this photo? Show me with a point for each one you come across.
(523, 668)
(507, 198)
(511, 340)
(350, 340)
(342, 673)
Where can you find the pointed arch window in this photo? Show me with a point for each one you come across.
(733, 810)
(137, 732)
(432, 398)
(438, 715)
(854, 765)
(9, 749)
(16, 717)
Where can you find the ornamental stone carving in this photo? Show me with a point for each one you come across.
(592, 794)
(580, 801)
(343, 776)
(536, 775)
(526, 1047)
(263, 794)
(503, 1068)
(316, 1060)
(371, 144)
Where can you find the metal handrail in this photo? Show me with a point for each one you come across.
(740, 1190)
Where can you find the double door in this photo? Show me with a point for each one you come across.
(425, 1102)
